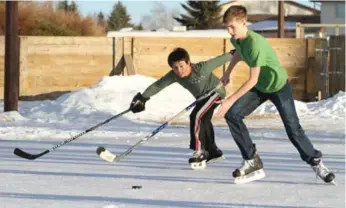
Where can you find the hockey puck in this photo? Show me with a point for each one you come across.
(136, 187)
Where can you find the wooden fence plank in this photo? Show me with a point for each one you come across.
(129, 64)
(337, 64)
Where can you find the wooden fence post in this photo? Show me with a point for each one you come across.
(11, 89)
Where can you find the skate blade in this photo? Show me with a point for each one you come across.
(257, 175)
(218, 159)
(333, 183)
(198, 166)
(108, 156)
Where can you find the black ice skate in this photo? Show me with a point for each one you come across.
(250, 171)
(322, 171)
(215, 156)
(198, 160)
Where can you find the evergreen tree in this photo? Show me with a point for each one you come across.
(119, 18)
(200, 14)
(64, 5)
(138, 27)
(101, 19)
(73, 7)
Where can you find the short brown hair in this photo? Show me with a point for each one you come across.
(178, 54)
(237, 11)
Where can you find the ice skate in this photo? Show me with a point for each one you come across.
(198, 160)
(322, 171)
(215, 156)
(250, 171)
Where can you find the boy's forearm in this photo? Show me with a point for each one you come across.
(151, 90)
(236, 58)
(159, 85)
(246, 87)
(216, 62)
(156, 87)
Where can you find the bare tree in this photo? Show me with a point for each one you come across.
(160, 17)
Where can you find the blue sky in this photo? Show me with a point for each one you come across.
(136, 9)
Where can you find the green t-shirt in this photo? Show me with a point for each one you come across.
(198, 83)
(257, 52)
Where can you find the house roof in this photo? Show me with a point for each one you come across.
(270, 25)
(294, 18)
(299, 18)
(259, 17)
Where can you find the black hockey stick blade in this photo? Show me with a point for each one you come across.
(22, 154)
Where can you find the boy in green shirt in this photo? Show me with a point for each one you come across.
(267, 81)
(198, 79)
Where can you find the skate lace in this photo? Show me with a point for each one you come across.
(246, 164)
(196, 154)
(321, 170)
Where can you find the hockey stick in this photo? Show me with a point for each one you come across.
(110, 157)
(29, 156)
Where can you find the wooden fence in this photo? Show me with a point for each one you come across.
(149, 56)
(328, 68)
(50, 65)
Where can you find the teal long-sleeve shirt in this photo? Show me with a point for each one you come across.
(198, 83)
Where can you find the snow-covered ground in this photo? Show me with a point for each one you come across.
(74, 176)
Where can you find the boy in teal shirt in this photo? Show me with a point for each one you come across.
(267, 81)
(198, 79)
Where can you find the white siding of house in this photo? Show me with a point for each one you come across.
(328, 15)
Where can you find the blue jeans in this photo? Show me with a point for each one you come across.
(284, 102)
